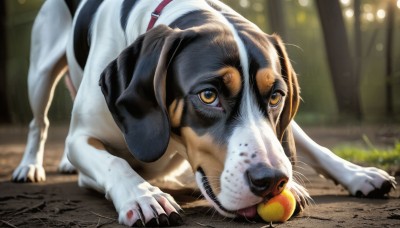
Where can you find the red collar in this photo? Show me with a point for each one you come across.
(156, 13)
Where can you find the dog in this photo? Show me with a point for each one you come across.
(160, 82)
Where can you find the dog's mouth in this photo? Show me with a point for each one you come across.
(206, 189)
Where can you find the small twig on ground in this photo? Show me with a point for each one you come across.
(29, 196)
(39, 207)
(8, 224)
(390, 209)
(319, 218)
(23, 196)
(204, 225)
(394, 216)
(270, 225)
(101, 216)
(40, 219)
(4, 198)
(62, 210)
(98, 222)
(104, 223)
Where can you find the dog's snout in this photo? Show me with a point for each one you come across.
(264, 180)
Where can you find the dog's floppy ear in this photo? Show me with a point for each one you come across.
(134, 89)
(289, 145)
(293, 95)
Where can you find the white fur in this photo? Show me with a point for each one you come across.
(92, 127)
(47, 50)
(353, 177)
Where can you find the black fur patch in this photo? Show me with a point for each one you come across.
(81, 31)
(126, 8)
(72, 6)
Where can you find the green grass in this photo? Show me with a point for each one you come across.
(387, 159)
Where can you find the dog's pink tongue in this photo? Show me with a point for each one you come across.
(249, 212)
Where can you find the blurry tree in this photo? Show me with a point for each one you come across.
(276, 18)
(357, 40)
(389, 49)
(345, 81)
(4, 112)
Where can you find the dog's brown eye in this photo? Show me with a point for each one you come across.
(208, 96)
(275, 99)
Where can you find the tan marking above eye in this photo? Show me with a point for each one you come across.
(265, 80)
(232, 79)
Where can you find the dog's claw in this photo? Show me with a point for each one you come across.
(163, 220)
(153, 223)
(138, 223)
(175, 219)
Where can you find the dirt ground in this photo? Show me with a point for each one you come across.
(59, 202)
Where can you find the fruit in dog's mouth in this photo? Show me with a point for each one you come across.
(279, 208)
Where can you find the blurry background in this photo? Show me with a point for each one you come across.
(346, 54)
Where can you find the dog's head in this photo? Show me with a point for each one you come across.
(227, 97)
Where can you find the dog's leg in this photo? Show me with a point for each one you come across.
(65, 165)
(47, 65)
(359, 181)
(136, 201)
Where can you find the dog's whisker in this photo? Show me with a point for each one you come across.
(300, 160)
(295, 172)
(302, 164)
(301, 181)
(300, 176)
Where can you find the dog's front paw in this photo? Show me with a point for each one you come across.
(371, 182)
(154, 208)
(132, 215)
(29, 173)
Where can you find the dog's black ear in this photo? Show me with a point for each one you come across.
(293, 97)
(134, 89)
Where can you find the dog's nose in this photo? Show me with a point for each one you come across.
(264, 180)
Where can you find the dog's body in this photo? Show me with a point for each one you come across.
(204, 85)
